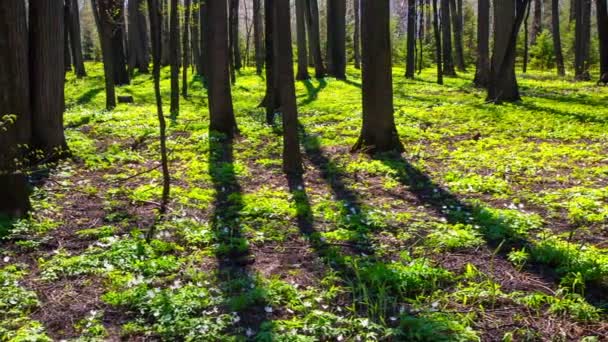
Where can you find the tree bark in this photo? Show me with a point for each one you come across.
(301, 40)
(482, 74)
(357, 33)
(186, 48)
(67, 55)
(47, 77)
(336, 38)
(75, 39)
(166, 33)
(137, 38)
(196, 38)
(174, 58)
(582, 40)
(14, 100)
(221, 111)
(258, 28)
(410, 67)
(121, 74)
(526, 42)
(203, 43)
(378, 133)
(602, 29)
(537, 22)
(102, 10)
(272, 96)
(234, 34)
(557, 40)
(438, 44)
(314, 37)
(421, 35)
(448, 60)
(456, 14)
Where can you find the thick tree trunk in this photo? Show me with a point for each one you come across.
(456, 14)
(482, 74)
(272, 97)
(121, 74)
(314, 36)
(103, 10)
(537, 22)
(301, 40)
(557, 40)
(336, 38)
(503, 82)
(582, 40)
(378, 132)
(47, 77)
(292, 158)
(258, 28)
(221, 111)
(186, 48)
(438, 44)
(137, 37)
(602, 29)
(410, 67)
(174, 58)
(357, 33)
(75, 39)
(14, 100)
(446, 28)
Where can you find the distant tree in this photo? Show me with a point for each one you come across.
(102, 11)
(537, 22)
(258, 36)
(121, 73)
(357, 33)
(446, 28)
(137, 37)
(314, 37)
(165, 58)
(336, 38)
(410, 68)
(457, 24)
(602, 29)
(221, 111)
(582, 40)
(67, 55)
(421, 34)
(272, 96)
(482, 74)
(174, 58)
(46, 24)
(196, 38)
(186, 48)
(557, 40)
(75, 38)
(301, 40)
(526, 42)
(508, 17)
(378, 133)
(235, 48)
(203, 42)
(15, 102)
(438, 44)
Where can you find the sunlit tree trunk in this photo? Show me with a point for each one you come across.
(314, 37)
(582, 40)
(446, 28)
(301, 40)
(257, 36)
(102, 11)
(357, 33)
(174, 58)
(336, 38)
(557, 40)
(410, 67)
(437, 33)
(137, 37)
(457, 17)
(537, 22)
(186, 48)
(482, 74)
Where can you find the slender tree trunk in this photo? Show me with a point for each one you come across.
(582, 40)
(421, 35)
(482, 74)
(174, 58)
(234, 35)
(67, 55)
(165, 52)
(456, 14)
(336, 38)
(186, 48)
(258, 28)
(448, 61)
(204, 45)
(196, 38)
(272, 97)
(75, 39)
(47, 77)
(357, 33)
(438, 44)
(378, 133)
(314, 36)
(292, 158)
(14, 100)
(102, 10)
(121, 74)
(221, 111)
(301, 40)
(137, 37)
(537, 22)
(602, 29)
(526, 43)
(557, 40)
(410, 68)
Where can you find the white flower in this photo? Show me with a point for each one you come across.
(6, 259)
(249, 332)
(307, 304)
(393, 318)
(340, 337)
(268, 309)
(235, 318)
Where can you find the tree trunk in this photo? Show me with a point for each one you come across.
(257, 36)
(47, 77)
(582, 40)
(557, 40)
(14, 100)
(196, 38)
(357, 33)
(165, 52)
(503, 82)
(421, 35)
(234, 35)
(378, 133)
(102, 10)
(75, 39)
(456, 14)
(410, 67)
(301, 40)
(203, 43)
(221, 111)
(314, 36)
(526, 43)
(336, 38)
(121, 74)
(186, 48)
(272, 97)
(602, 29)
(292, 158)
(448, 61)
(438, 44)
(482, 74)
(67, 55)
(537, 22)
(137, 37)
(174, 58)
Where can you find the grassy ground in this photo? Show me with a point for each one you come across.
(491, 226)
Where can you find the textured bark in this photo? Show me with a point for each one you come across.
(582, 40)
(196, 38)
(503, 82)
(75, 39)
(165, 57)
(14, 100)
(410, 67)
(537, 21)
(378, 132)
(457, 17)
(102, 9)
(602, 29)
(336, 38)
(446, 28)
(235, 48)
(258, 27)
(301, 40)
(221, 111)
(482, 74)
(557, 40)
(174, 58)
(357, 33)
(314, 37)
(121, 74)
(137, 37)
(292, 158)
(204, 46)
(438, 44)
(421, 35)
(186, 48)
(47, 77)
(526, 43)
(271, 99)
(67, 55)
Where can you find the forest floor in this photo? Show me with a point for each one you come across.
(491, 226)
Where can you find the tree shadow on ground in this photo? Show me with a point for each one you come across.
(312, 91)
(87, 97)
(234, 259)
(580, 117)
